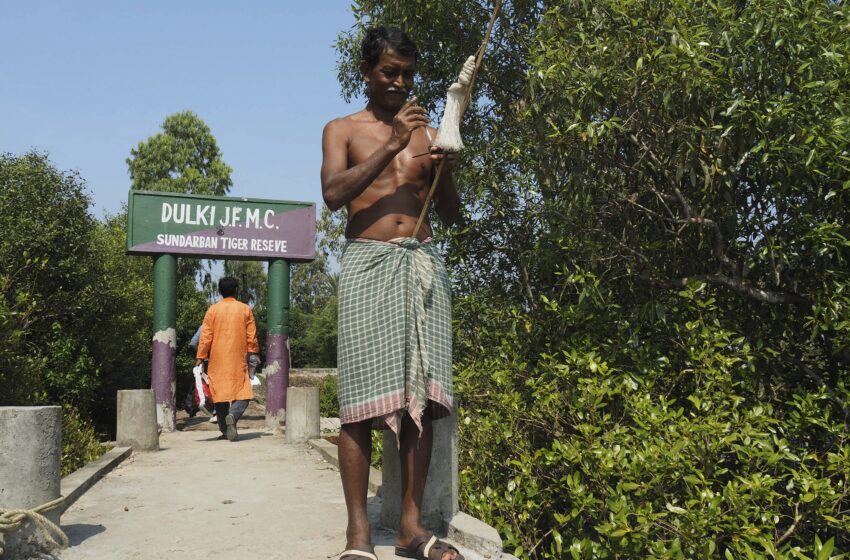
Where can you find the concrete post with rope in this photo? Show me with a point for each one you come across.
(30, 477)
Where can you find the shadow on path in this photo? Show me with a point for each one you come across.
(243, 436)
(381, 536)
(78, 532)
(251, 435)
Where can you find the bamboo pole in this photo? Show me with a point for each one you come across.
(478, 60)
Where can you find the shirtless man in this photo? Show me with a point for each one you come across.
(395, 322)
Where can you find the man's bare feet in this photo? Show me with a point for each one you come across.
(427, 547)
(358, 553)
(358, 536)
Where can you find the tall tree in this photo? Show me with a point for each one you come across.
(122, 315)
(183, 158)
(313, 285)
(48, 278)
(51, 292)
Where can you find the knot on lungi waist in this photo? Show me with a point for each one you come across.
(422, 266)
(418, 261)
(408, 242)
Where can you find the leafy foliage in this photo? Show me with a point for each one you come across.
(619, 447)
(183, 158)
(50, 290)
(313, 315)
(79, 441)
(121, 319)
(377, 458)
(331, 229)
(651, 283)
(48, 279)
(738, 176)
(329, 397)
(73, 333)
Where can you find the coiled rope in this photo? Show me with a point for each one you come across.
(54, 537)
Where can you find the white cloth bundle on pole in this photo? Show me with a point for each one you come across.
(448, 135)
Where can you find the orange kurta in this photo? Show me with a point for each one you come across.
(227, 335)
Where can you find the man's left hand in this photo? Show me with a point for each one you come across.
(451, 158)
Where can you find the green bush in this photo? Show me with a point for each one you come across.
(79, 441)
(313, 339)
(328, 397)
(59, 295)
(48, 272)
(651, 280)
(378, 449)
(617, 447)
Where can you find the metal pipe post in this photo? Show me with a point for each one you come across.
(277, 344)
(164, 348)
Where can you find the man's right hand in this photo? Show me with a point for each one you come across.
(410, 117)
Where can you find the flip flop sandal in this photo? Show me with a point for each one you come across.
(356, 554)
(427, 547)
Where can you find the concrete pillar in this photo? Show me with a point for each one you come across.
(302, 414)
(30, 469)
(439, 504)
(136, 422)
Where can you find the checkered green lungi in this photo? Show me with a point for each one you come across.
(395, 338)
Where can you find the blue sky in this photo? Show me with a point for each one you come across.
(86, 81)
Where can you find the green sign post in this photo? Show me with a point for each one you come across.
(277, 344)
(167, 225)
(218, 226)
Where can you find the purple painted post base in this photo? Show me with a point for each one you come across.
(163, 378)
(277, 380)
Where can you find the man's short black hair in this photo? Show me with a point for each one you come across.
(380, 39)
(228, 286)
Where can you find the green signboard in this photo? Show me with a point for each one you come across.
(220, 227)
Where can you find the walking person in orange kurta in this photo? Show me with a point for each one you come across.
(228, 335)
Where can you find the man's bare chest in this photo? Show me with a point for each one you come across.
(363, 145)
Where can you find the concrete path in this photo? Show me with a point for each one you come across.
(202, 498)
